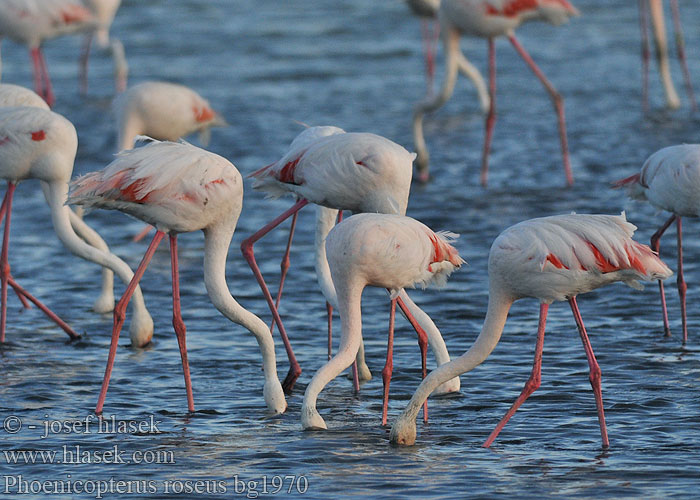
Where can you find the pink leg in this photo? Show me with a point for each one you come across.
(36, 67)
(389, 366)
(4, 260)
(680, 48)
(48, 90)
(16, 288)
(595, 373)
(533, 382)
(84, 58)
(21, 292)
(682, 287)
(120, 315)
(646, 51)
(491, 116)
(178, 323)
(142, 234)
(558, 106)
(284, 266)
(422, 344)
(655, 246)
(247, 249)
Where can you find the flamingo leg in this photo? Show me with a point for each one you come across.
(178, 323)
(45, 79)
(491, 115)
(659, 31)
(36, 67)
(422, 343)
(21, 292)
(247, 250)
(4, 260)
(389, 365)
(682, 286)
(284, 266)
(558, 102)
(655, 246)
(142, 234)
(680, 49)
(120, 315)
(646, 51)
(595, 373)
(16, 288)
(83, 66)
(533, 382)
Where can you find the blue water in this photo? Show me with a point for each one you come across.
(264, 65)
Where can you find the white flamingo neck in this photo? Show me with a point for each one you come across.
(325, 220)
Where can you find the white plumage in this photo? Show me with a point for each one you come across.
(550, 258)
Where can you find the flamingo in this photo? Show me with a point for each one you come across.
(551, 259)
(490, 19)
(104, 12)
(15, 95)
(655, 8)
(39, 144)
(163, 111)
(427, 10)
(180, 188)
(336, 170)
(670, 181)
(31, 22)
(385, 250)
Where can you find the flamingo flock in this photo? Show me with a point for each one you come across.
(177, 187)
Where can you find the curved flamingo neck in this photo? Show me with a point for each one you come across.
(325, 220)
(496, 315)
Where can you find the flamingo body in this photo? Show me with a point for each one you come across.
(361, 172)
(670, 180)
(163, 111)
(30, 22)
(16, 95)
(550, 259)
(38, 144)
(178, 200)
(491, 18)
(384, 250)
(178, 187)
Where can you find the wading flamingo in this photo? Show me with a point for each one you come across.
(180, 188)
(388, 251)
(550, 259)
(15, 95)
(31, 22)
(336, 170)
(490, 19)
(39, 144)
(658, 28)
(427, 10)
(670, 180)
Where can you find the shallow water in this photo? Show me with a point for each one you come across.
(265, 65)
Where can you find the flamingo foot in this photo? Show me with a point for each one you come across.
(311, 419)
(290, 379)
